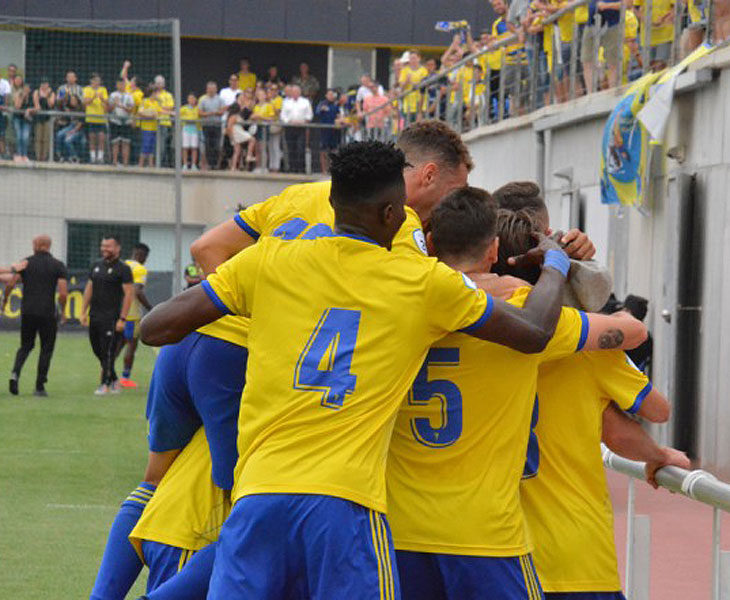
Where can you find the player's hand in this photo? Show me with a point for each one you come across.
(84, 320)
(120, 325)
(671, 456)
(20, 266)
(127, 64)
(536, 255)
(62, 320)
(577, 245)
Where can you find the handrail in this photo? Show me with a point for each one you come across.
(504, 42)
(698, 485)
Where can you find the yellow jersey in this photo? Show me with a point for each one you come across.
(96, 110)
(696, 10)
(139, 277)
(166, 101)
(277, 102)
(340, 327)
(567, 505)
(265, 111)
(408, 79)
(459, 444)
(300, 211)
(147, 122)
(565, 23)
(661, 34)
(187, 508)
(246, 81)
(189, 117)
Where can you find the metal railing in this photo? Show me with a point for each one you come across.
(276, 146)
(495, 95)
(697, 485)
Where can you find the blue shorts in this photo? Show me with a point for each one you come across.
(288, 546)
(149, 141)
(163, 562)
(584, 596)
(430, 576)
(198, 381)
(131, 330)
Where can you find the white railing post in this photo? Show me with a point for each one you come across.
(640, 567)
(716, 556)
(630, 511)
(725, 575)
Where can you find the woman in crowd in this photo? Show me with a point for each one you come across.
(236, 129)
(22, 102)
(70, 139)
(148, 115)
(263, 113)
(44, 99)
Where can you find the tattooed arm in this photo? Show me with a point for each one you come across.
(619, 331)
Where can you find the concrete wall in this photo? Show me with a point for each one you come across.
(641, 247)
(42, 198)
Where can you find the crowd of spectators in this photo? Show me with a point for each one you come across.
(263, 123)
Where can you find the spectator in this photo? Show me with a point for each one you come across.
(273, 77)
(329, 139)
(602, 30)
(189, 116)
(662, 31)
(95, 99)
(12, 71)
(273, 146)
(237, 130)
(5, 90)
(365, 89)
(264, 114)
(107, 299)
(308, 83)
(296, 110)
(44, 100)
(210, 110)
(376, 101)
(410, 76)
(167, 107)
(131, 86)
(70, 140)
(41, 276)
(434, 100)
(394, 85)
(70, 88)
(193, 274)
(121, 108)
(537, 52)
(148, 115)
(246, 79)
(23, 105)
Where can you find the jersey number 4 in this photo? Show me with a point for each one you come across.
(446, 392)
(324, 364)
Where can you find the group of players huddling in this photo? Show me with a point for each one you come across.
(339, 365)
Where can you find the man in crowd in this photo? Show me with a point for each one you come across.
(211, 107)
(246, 79)
(121, 108)
(308, 83)
(95, 99)
(602, 30)
(193, 274)
(42, 275)
(108, 297)
(167, 107)
(295, 112)
(131, 328)
(410, 76)
(70, 88)
(228, 94)
(6, 88)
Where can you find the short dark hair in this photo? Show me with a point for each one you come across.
(70, 71)
(520, 195)
(143, 247)
(637, 306)
(362, 170)
(94, 75)
(516, 231)
(120, 79)
(437, 141)
(464, 224)
(111, 236)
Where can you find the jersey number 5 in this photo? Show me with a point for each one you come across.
(324, 364)
(448, 395)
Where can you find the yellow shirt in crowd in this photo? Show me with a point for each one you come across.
(95, 110)
(166, 101)
(246, 81)
(148, 119)
(662, 34)
(189, 116)
(408, 79)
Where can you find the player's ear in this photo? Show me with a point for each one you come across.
(429, 244)
(429, 173)
(492, 253)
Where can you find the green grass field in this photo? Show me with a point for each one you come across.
(66, 463)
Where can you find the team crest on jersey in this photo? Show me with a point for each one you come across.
(96, 269)
(109, 271)
(420, 240)
(468, 282)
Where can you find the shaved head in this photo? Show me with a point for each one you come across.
(42, 242)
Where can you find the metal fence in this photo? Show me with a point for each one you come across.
(547, 57)
(698, 485)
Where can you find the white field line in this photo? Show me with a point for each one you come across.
(81, 506)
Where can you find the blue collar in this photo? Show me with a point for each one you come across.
(362, 238)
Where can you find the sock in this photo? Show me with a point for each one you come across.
(120, 564)
(126, 373)
(192, 581)
(100, 156)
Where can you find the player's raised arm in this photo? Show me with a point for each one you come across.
(219, 244)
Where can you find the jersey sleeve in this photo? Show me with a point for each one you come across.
(619, 379)
(62, 271)
(570, 335)
(232, 285)
(454, 303)
(253, 219)
(139, 274)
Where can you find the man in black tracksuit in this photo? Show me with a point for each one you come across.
(41, 274)
(107, 297)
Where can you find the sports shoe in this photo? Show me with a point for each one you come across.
(115, 388)
(40, 392)
(102, 390)
(127, 383)
(13, 384)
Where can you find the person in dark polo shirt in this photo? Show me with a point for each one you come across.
(41, 275)
(108, 296)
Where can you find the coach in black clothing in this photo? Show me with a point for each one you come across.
(41, 274)
(107, 297)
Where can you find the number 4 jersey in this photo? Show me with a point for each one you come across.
(339, 329)
(459, 444)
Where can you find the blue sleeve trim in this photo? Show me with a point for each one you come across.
(210, 292)
(640, 399)
(246, 227)
(584, 328)
(483, 319)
